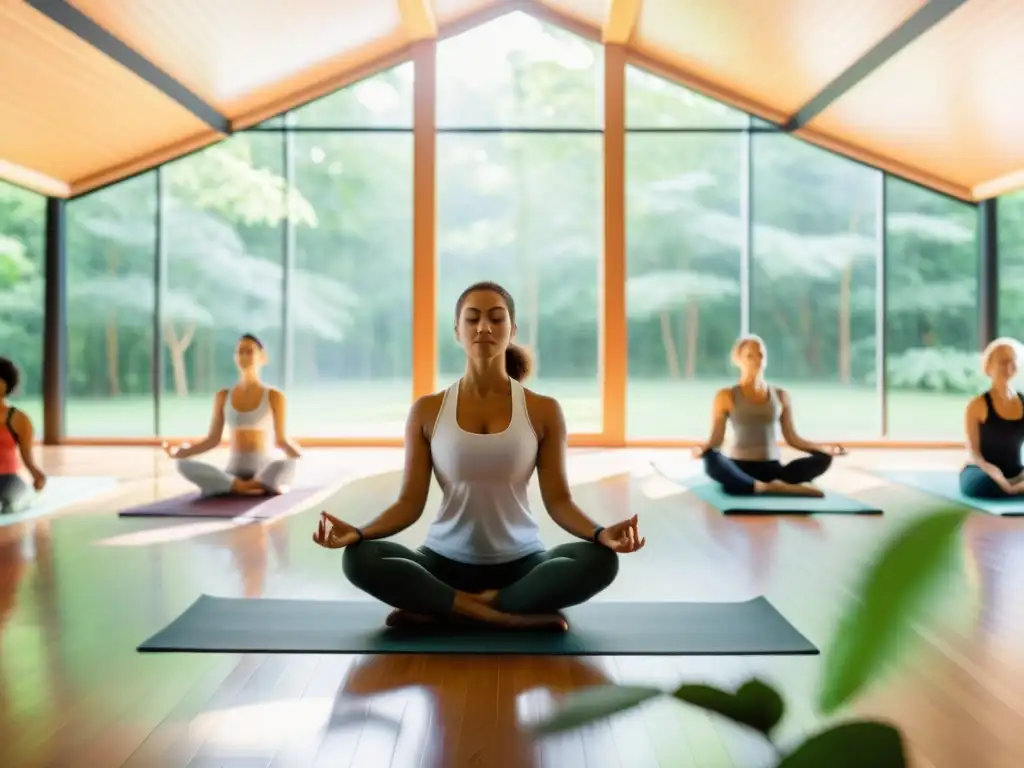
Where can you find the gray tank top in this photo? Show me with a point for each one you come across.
(754, 427)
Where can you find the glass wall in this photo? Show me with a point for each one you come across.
(519, 179)
(931, 312)
(813, 283)
(22, 233)
(685, 241)
(300, 232)
(1010, 210)
(111, 261)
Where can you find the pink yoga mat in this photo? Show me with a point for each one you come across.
(256, 507)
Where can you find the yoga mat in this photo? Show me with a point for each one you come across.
(832, 503)
(243, 625)
(946, 485)
(226, 507)
(58, 493)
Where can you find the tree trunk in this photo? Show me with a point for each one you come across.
(692, 336)
(113, 352)
(177, 347)
(669, 342)
(845, 330)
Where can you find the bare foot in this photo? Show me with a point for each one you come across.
(471, 607)
(487, 597)
(400, 618)
(247, 488)
(779, 488)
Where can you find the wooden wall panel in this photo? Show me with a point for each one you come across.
(775, 52)
(68, 110)
(950, 103)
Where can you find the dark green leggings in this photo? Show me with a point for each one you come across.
(424, 582)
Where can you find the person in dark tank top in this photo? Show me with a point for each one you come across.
(994, 423)
(756, 412)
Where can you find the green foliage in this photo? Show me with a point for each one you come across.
(755, 704)
(850, 745)
(936, 369)
(896, 590)
(596, 703)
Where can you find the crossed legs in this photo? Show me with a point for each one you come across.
(525, 592)
(744, 478)
(15, 494)
(269, 479)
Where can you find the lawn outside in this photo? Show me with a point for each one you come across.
(655, 409)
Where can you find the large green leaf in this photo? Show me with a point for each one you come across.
(850, 745)
(584, 707)
(755, 705)
(892, 597)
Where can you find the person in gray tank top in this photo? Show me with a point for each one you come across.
(756, 412)
(252, 411)
(483, 438)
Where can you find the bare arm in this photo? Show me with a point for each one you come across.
(26, 433)
(216, 432)
(789, 433)
(551, 474)
(415, 479)
(974, 415)
(720, 409)
(279, 405)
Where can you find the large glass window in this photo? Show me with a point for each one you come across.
(111, 252)
(813, 283)
(524, 208)
(684, 243)
(351, 369)
(223, 212)
(1011, 265)
(22, 225)
(931, 312)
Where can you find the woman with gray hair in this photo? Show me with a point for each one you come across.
(994, 423)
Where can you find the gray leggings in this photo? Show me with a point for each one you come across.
(213, 481)
(424, 582)
(15, 494)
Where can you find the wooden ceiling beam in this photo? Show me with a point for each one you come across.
(83, 27)
(418, 20)
(621, 21)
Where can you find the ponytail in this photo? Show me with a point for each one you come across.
(518, 362)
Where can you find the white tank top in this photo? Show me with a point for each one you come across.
(485, 516)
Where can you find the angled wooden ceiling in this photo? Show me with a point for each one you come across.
(104, 88)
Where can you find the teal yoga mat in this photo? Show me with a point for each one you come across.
(60, 492)
(946, 485)
(245, 625)
(703, 487)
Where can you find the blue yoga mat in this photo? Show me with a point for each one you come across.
(831, 503)
(945, 484)
(60, 492)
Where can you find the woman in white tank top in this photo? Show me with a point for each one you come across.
(483, 559)
(251, 410)
(756, 411)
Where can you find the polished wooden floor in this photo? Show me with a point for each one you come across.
(80, 588)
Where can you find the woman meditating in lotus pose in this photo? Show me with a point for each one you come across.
(251, 409)
(16, 434)
(483, 558)
(994, 423)
(755, 411)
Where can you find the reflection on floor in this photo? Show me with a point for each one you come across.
(78, 591)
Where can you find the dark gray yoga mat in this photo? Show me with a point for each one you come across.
(242, 625)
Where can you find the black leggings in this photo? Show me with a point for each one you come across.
(14, 494)
(424, 582)
(737, 477)
(976, 484)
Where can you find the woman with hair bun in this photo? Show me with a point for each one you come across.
(994, 423)
(253, 411)
(483, 437)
